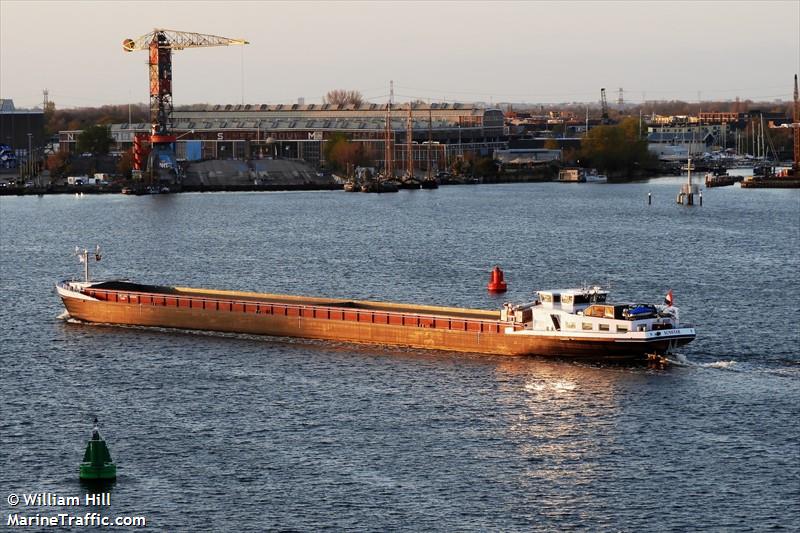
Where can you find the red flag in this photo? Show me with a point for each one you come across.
(668, 298)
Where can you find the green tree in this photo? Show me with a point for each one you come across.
(95, 139)
(330, 145)
(616, 149)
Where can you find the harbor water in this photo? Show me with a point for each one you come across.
(241, 433)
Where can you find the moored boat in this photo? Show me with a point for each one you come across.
(719, 177)
(570, 323)
(581, 175)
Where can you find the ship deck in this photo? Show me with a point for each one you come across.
(285, 299)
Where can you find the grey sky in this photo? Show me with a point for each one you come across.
(455, 51)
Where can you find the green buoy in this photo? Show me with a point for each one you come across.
(97, 464)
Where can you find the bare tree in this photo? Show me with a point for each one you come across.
(344, 96)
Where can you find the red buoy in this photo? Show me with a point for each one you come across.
(496, 284)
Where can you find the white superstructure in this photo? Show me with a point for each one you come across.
(585, 313)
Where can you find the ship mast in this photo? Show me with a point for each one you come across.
(796, 128)
(430, 136)
(83, 257)
(388, 142)
(409, 143)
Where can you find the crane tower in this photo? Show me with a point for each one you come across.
(603, 106)
(160, 43)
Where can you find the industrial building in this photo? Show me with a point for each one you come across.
(298, 131)
(20, 130)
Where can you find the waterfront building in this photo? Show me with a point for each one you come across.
(19, 130)
(678, 141)
(679, 145)
(520, 159)
(299, 131)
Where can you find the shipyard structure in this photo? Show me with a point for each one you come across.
(300, 131)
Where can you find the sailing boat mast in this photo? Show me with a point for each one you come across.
(409, 143)
(388, 141)
(430, 139)
(796, 128)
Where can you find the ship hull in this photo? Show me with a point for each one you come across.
(425, 327)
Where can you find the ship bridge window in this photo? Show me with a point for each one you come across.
(600, 311)
(550, 298)
(567, 299)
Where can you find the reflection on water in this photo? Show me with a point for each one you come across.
(252, 433)
(560, 419)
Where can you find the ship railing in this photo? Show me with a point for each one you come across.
(320, 312)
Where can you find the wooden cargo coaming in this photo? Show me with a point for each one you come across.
(278, 319)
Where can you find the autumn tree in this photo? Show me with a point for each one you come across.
(125, 164)
(616, 148)
(80, 118)
(58, 164)
(341, 152)
(552, 144)
(344, 96)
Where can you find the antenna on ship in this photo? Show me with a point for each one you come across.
(84, 256)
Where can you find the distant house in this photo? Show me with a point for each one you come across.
(520, 159)
(671, 146)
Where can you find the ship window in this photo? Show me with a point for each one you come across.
(602, 327)
(569, 325)
(622, 329)
(586, 326)
(595, 310)
(547, 298)
(567, 299)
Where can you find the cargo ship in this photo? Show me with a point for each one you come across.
(570, 323)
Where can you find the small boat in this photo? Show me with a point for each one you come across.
(719, 177)
(127, 190)
(581, 175)
(569, 323)
(379, 185)
(591, 176)
(429, 183)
